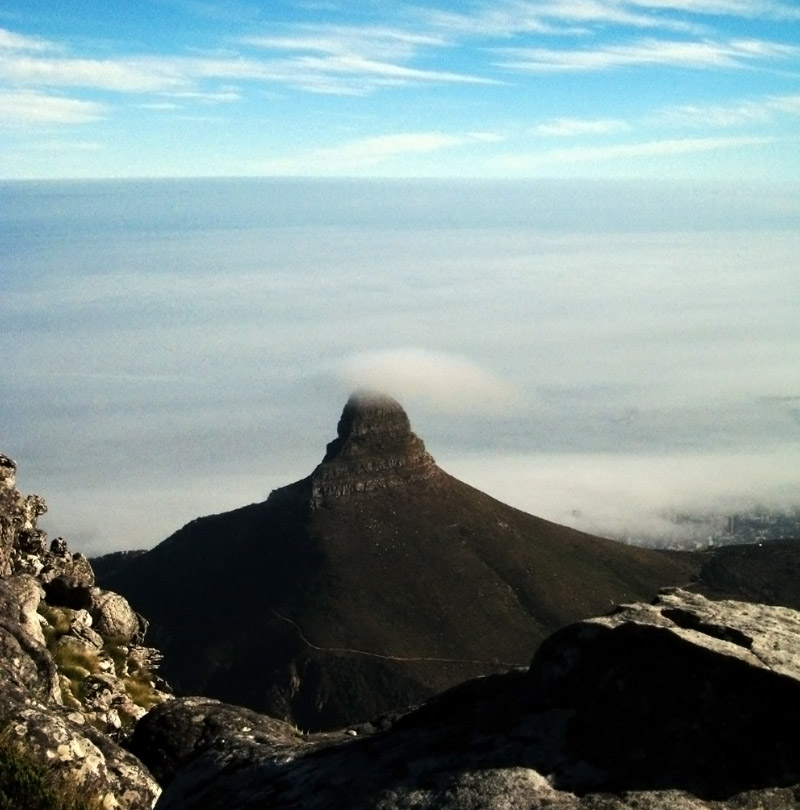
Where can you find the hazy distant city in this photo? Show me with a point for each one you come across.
(698, 531)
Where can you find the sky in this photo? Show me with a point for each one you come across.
(564, 234)
(604, 354)
(693, 89)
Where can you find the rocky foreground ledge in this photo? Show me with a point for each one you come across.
(682, 704)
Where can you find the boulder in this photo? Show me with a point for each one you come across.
(682, 704)
(24, 659)
(684, 692)
(20, 596)
(113, 617)
(173, 732)
(58, 675)
(10, 513)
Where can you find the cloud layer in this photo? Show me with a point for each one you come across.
(180, 348)
(444, 382)
(639, 497)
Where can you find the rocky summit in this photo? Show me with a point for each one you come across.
(375, 448)
(371, 584)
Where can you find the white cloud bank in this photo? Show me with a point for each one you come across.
(447, 382)
(635, 496)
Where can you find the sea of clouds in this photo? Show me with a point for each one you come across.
(603, 355)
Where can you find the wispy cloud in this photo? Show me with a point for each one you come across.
(649, 52)
(123, 74)
(377, 42)
(12, 41)
(210, 97)
(30, 107)
(511, 18)
(643, 149)
(365, 152)
(352, 59)
(336, 60)
(730, 115)
(569, 127)
(519, 17)
(769, 9)
(61, 145)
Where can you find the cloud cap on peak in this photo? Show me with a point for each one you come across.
(450, 383)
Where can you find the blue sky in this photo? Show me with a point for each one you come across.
(702, 89)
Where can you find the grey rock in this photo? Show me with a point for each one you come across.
(70, 745)
(674, 694)
(68, 579)
(113, 616)
(81, 627)
(375, 448)
(24, 659)
(20, 596)
(684, 704)
(59, 547)
(18, 516)
(174, 732)
(49, 649)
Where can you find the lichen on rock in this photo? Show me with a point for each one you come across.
(68, 692)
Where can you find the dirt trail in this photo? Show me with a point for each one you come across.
(406, 659)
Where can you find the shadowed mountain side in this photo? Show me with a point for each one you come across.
(766, 572)
(371, 584)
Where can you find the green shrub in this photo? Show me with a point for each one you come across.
(118, 652)
(140, 690)
(58, 622)
(27, 783)
(72, 657)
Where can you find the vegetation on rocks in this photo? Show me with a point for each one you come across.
(74, 674)
(27, 783)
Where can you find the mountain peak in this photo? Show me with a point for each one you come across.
(375, 448)
(369, 421)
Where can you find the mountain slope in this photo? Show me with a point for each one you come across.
(372, 583)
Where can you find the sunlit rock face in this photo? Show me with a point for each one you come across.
(375, 448)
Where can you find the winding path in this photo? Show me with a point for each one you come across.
(368, 654)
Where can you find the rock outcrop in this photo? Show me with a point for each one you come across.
(74, 675)
(172, 733)
(683, 704)
(375, 448)
(371, 584)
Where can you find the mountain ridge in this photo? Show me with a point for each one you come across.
(378, 550)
